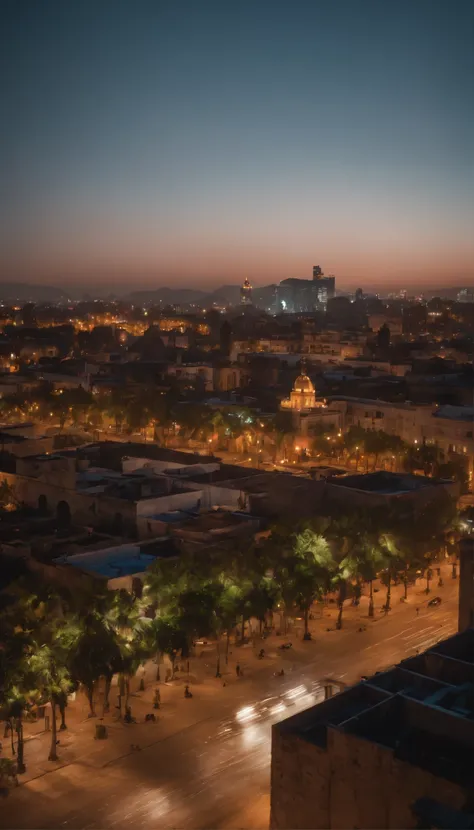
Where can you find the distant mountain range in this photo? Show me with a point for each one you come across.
(225, 295)
(22, 292)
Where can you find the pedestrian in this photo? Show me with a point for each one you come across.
(237, 670)
(417, 611)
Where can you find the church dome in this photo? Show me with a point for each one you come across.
(303, 384)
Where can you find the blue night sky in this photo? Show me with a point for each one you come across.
(197, 142)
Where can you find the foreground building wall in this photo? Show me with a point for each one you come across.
(394, 751)
(352, 783)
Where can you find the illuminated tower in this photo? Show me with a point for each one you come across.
(246, 293)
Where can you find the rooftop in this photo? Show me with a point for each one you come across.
(387, 483)
(110, 453)
(422, 710)
(130, 486)
(9, 438)
(456, 413)
(124, 560)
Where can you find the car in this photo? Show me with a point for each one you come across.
(434, 601)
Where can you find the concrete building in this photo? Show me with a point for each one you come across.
(121, 566)
(307, 411)
(383, 489)
(395, 751)
(466, 584)
(192, 373)
(448, 427)
(303, 395)
(21, 445)
(301, 295)
(246, 293)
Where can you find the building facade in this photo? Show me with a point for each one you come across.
(393, 751)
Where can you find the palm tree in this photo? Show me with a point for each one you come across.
(117, 408)
(312, 571)
(13, 715)
(96, 654)
(354, 441)
(227, 608)
(346, 570)
(391, 556)
(368, 565)
(167, 636)
(424, 457)
(53, 682)
(321, 443)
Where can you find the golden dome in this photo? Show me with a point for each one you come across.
(303, 384)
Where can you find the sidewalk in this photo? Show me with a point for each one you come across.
(176, 713)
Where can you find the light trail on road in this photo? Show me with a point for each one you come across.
(215, 774)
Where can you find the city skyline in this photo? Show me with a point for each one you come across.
(195, 145)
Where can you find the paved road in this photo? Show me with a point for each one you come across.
(215, 774)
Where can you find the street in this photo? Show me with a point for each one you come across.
(215, 773)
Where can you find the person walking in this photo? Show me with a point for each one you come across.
(237, 669)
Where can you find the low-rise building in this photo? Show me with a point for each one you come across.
(385, 489)
(449, 427)
(121, 566)
(393, 751)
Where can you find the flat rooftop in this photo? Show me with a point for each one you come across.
(216, 520)
(110, 453)
(422, 710)
(122, 560)
(456, 413)
(9, 438)
(129, 486)
(387, 483)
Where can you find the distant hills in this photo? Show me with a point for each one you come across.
(225, 295)
(23, 292)
(166, 296)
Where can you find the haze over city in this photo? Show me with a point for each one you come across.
(158, 143)
(236, 414)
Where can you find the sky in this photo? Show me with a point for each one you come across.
(198, 142)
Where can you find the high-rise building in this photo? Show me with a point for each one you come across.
(465, 295)
(296, 295)
(246, 293)
(325, 286)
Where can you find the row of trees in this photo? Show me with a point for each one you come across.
(295, 566)
(133, 410)
(53, 641)
(129, 409)
(374, 445)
